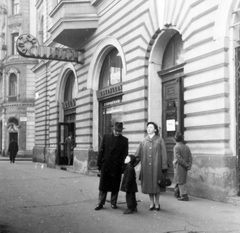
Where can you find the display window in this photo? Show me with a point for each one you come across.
(110, 92)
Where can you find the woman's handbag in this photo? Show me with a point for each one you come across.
(165, 181)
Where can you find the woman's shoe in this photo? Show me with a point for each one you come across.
(152, 208)
(157, 208)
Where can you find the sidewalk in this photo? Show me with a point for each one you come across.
(35, 199)
(3, 158)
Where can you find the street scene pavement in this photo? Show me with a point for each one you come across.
(35, 198)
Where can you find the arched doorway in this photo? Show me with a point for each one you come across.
(66, 127)
(172, 94)
(12, 127)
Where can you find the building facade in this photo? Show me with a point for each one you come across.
(171, 62)
(17, 81)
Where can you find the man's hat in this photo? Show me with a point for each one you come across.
(118, 126)
(178, 137)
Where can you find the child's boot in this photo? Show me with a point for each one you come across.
(176, 191)
(184, 197)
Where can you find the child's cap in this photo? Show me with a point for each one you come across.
(133, 159)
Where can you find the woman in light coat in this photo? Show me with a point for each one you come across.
(182, 162)
(153, 156)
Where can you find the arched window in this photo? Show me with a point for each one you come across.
(12, 87)
(13, 120)
(173, 53)
(69, 92)
(110, 109)
(111, 72)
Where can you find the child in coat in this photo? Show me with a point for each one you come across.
(129, 184)
(182, 164)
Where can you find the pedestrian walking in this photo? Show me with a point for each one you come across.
(182, 163)
(112, 153)
(129, 184)
(12, 150)
(153, 156)
(69, 147)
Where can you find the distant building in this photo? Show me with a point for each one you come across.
(17, 81)
(172, 62)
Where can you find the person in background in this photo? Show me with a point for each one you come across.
(153, 156)
(112, 153)
(129, 184)
(12, 150)
(69, 147)
(182, 162)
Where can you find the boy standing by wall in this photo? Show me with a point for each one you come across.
(129, 184)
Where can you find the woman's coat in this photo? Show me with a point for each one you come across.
(182, 162)
(112, 154)
(153, 156)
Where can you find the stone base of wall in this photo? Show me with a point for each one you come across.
(83, 162)
(51, 156)
(39, 154)
(213, 177)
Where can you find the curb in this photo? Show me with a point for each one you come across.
(16, 159)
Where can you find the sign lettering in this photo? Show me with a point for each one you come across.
(28, 46)
(109, 91)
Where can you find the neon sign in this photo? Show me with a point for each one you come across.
(28, 46)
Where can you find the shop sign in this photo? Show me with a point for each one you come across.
(28, 46)
(23, 118)
(112, 90)
(113, 102)
(171, 125)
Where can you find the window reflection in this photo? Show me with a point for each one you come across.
(173, 53)
(111, 72)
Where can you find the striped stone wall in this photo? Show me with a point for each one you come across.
(136, 29)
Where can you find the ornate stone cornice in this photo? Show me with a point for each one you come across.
(7, 105)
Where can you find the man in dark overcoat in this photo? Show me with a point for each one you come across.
(112, 153)
(12, 150)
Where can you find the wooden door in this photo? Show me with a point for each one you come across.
(172, 112)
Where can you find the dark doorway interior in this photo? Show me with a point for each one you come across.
(63, 131)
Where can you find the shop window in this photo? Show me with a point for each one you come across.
(15, 7)
(70, 92)
(110, 93)
(173, 53)
(110, 111)
(111, 72)
(12, 87)
(14, 40)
